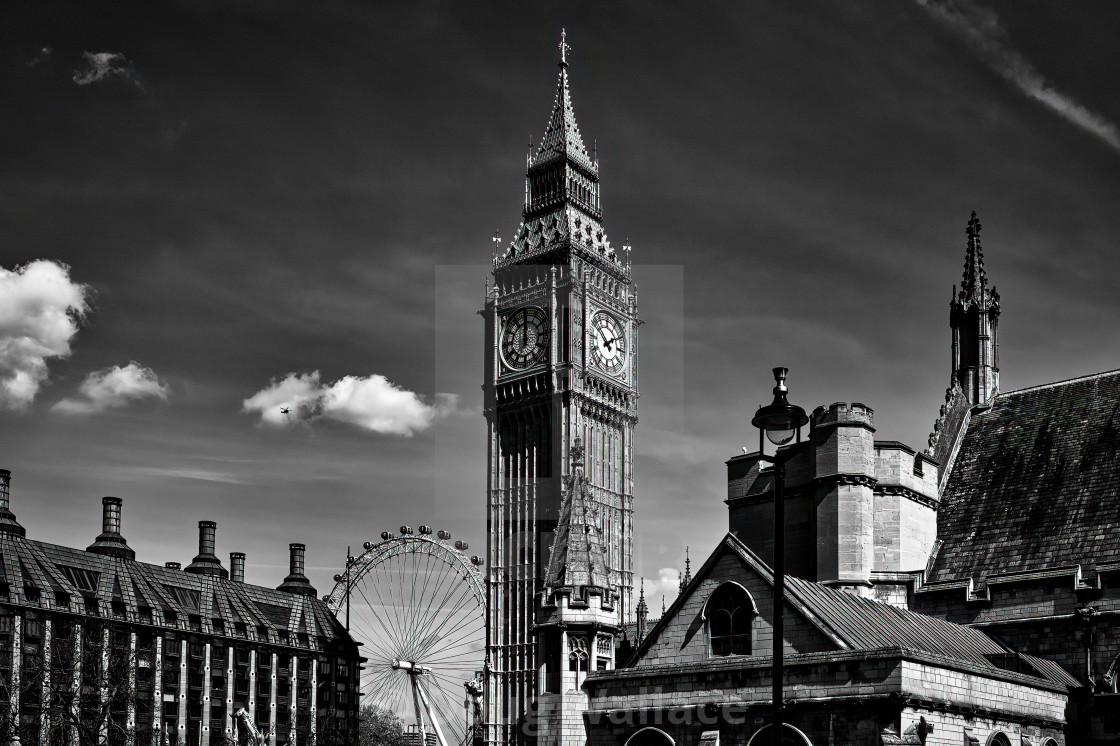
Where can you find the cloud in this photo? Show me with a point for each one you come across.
(372, 403)
(42, 57)
(98, 66)
(112, 388)
(980, 27)
(666, 586)
(41, 309)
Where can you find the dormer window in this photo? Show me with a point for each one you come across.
(730, 613)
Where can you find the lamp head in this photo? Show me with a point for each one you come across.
(780, 420)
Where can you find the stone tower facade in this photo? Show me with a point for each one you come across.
(561, 364)
(973, 316)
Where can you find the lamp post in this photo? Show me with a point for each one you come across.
(780, 422)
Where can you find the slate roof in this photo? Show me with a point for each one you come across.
(1036, 483)
(577, 557)
(855, 623)
(561, 134)
(47, 570)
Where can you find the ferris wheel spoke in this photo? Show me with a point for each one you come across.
(415, 598)
(447, 637)
(380, 623)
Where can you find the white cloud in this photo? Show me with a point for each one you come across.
(371, 402)
(980, 27)
(114, 387)
(666, 586)
(41, 309)
(98, 66)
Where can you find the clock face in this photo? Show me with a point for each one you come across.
(524, 338)
(608, 343)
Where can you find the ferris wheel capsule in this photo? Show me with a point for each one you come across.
(338, 578)
(425, 530)
(445, 535)
(476, 560)
(386, 535)
(366, 545)
(406, 530)
(462, 546)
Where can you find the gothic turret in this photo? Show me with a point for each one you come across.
(973, 316)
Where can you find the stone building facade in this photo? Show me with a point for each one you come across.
(98, 648)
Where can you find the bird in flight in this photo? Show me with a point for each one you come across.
(284, 410)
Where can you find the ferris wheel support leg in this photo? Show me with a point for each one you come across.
(419, 713)
(418, 687)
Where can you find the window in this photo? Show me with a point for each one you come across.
(730, 611)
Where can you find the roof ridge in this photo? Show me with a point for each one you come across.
(1077, 379)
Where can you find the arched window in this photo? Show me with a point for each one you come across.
(999, 739)
(650, 736)
(730, 612)
(790, 737)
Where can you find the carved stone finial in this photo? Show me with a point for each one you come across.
(576, 452)
(564, 48)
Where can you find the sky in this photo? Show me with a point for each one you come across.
(208, 209)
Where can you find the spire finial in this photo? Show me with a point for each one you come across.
(564, 48)
(497, 239)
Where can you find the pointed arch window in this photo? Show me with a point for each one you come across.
(730, 613)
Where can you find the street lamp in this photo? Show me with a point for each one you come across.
(780, 422)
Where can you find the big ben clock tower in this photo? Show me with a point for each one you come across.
(560, 389)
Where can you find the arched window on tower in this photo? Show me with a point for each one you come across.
(730, 613)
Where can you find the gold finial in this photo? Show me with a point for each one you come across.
(497, 239)
(564, 48)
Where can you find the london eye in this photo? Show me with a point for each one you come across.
(417, 603)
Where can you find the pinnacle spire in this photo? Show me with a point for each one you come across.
(578, 557)
(686, 577)
(562, 136)
(974, 285)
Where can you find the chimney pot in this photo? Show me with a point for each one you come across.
(206, 562)
(8, 522)
(297, 582)
(237, 567)
(110, 542)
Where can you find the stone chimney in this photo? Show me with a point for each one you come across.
(297, 582)
(110, 541)
(237, 567)
(8, 522)
(206, 562)
(173, 565)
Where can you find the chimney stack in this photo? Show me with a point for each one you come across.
(173, 565)
(297, 582)
(206, 562)
(8, 522)
(237, 567)
(110, 541)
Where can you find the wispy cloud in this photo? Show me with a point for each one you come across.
(98, 66)
(112, 388)
(41, 309)
(665, 587)
(980, 27)
(371, 402)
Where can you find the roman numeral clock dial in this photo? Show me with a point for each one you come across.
(524, 338)
(608, 343)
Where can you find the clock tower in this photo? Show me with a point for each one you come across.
(560, 388)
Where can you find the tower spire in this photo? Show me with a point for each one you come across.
(973, 317)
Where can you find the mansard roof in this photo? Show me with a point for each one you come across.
(49, 576)
(1035, 484)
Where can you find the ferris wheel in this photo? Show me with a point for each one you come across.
(417, 603)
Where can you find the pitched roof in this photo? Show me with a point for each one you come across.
(1035, 484)
(51, 569)
(856, 623)
(577, 557)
